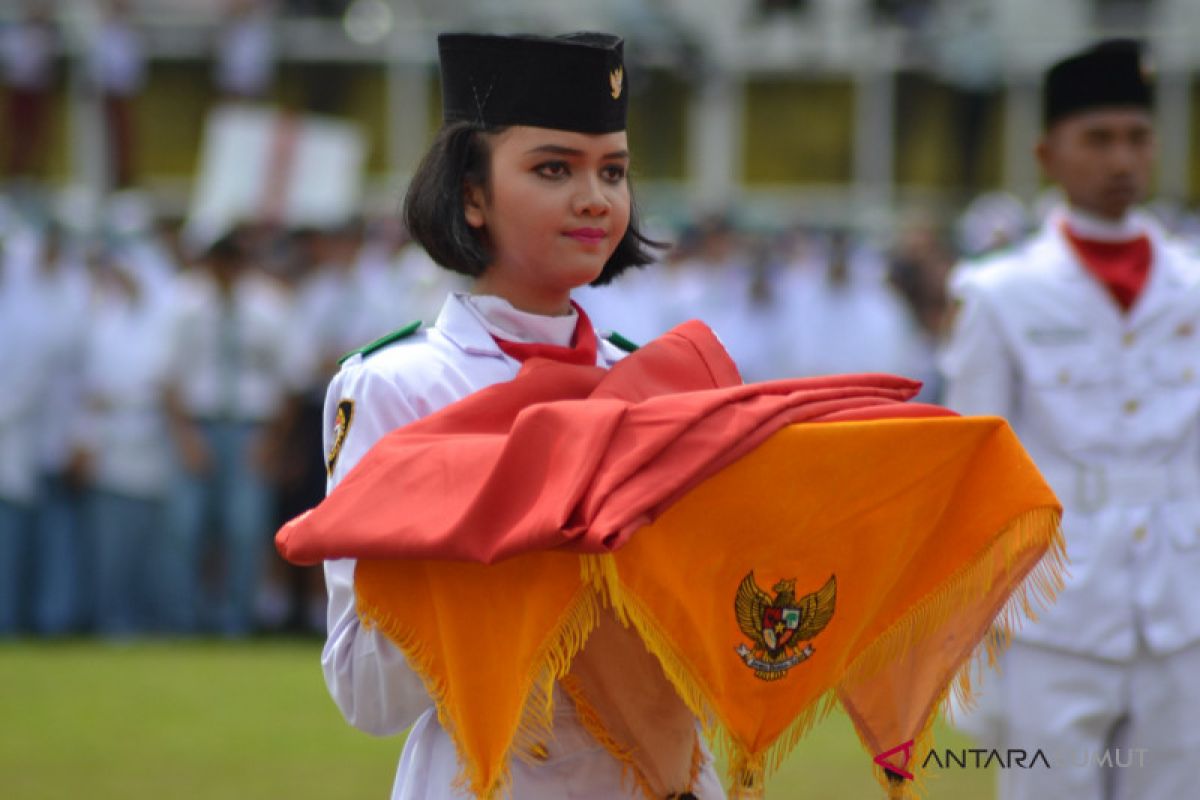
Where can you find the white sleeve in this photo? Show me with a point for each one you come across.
(980, 372)
(367, 675)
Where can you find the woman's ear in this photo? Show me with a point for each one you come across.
(473, 204)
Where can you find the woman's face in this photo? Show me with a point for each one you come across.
(556, 208)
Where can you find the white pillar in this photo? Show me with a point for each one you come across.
(714, 139)
(1173, 127)
(874, 145)
(407, 117)
(87, 132)
(1022, 127)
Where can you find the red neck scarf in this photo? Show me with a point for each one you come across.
(1122, 267)
(582, 350)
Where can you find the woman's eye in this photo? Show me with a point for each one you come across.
(552, 169)
(614, 173)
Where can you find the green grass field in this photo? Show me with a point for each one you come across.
(217, 720)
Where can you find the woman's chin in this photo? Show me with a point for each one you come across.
(582, 273)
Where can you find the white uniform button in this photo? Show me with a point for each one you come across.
(1131, 406)
(1064, 377)
(1128, 339)
(1189, 374)
(1139, 533)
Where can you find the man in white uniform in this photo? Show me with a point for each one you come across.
(1087, 338)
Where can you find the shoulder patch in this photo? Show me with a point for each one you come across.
(620, 342)
(341, 427)
(383, 341)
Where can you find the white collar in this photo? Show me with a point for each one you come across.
(1088, 226)
(502, 320)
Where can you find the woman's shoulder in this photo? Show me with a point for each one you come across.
(419, 363)
(402, 356)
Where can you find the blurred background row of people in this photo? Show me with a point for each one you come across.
(162, 408)
(199, 216)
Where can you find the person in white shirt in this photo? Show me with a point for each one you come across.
(1087, 339)
(121, 438)
(526, 193)
(61, 595)
(837, 314)
(244, 61)
(27, 50)
(229, 341)
(117, 63)
(22, 340)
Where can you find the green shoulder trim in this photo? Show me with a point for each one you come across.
(383, 341)
(620, 342)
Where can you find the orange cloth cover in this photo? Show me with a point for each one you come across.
(861, 562)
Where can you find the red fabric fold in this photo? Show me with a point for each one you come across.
(568, 456)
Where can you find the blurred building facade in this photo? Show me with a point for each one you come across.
(842, 110)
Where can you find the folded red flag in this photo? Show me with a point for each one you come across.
(568, 456)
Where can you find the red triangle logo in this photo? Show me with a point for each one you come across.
(897, 766)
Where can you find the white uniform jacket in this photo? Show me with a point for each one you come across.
(366, 674)
(1108, 405)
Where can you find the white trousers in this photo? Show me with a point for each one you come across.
(1109, 731)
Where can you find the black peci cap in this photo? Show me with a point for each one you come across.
(1111, 74)
(575, 82)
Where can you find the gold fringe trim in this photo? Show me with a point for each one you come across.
(748, 772)
(591, 722)
(1039, 527)
(534, 728)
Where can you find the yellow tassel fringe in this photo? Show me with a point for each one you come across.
(748, 772)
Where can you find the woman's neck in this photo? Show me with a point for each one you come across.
(547, 302)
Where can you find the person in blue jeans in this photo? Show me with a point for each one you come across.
(122, 448)
(23, 366)
(229, 381)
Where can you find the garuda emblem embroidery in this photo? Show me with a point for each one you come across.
(341, 427)
(616, 81)
(778, 626)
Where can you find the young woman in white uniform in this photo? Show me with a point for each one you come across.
(526, 191)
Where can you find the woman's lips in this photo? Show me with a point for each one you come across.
(587, 235)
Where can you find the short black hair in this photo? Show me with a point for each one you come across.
(434, 216)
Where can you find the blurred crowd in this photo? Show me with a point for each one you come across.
(162, 415)
(162, 407)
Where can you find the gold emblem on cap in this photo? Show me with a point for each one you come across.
(1147, 68)
(616, 79)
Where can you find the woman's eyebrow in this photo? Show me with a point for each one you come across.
(555, 149)
(559, 150)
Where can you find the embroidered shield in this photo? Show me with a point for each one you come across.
(341, 426)
(778, 626)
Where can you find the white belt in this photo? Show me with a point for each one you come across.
(1088, 487)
